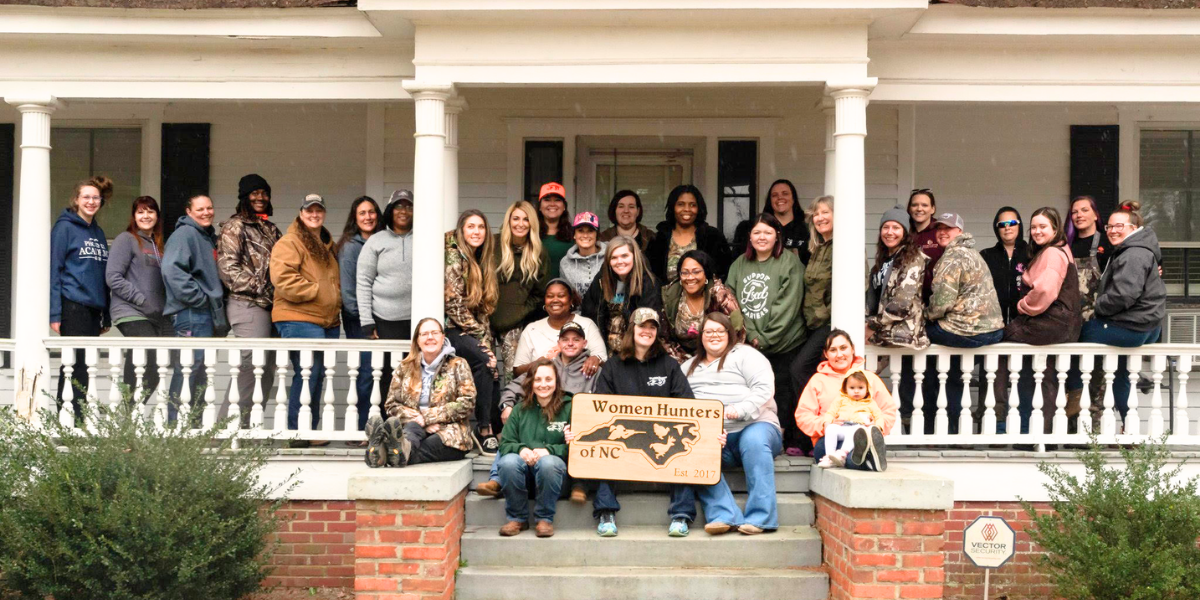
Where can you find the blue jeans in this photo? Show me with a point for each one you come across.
(954, 382)
(301, 329)
(363, 384)
(196, 323)
(754, 449)
(546, 477)
(1099, 331)
(682, 506)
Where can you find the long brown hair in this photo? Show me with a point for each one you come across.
(103, 184)
(629, 349)
(639, 272)
(905, 252)
(724, 321)
(411, 365)
(319, 246)
(157, 233)
(556, 398)
(482, 289)
(1060, 236)
(351, 228)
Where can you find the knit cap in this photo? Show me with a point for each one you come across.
(897, 214)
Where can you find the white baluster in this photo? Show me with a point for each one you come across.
(1062, 364)
(234, 358)
(1012, 422)
(917, 421)
(328, 418)
(184, 415)
(162, 397)
(281, 393)
(209, 417)
(1108, 421)
(991, 362)
(259, 360)
(1158, 364)
(66, 415)
(91, 409)
(353, 360)
(1133, 421)
(1037, 419)
(896, 364)
(941, 423)
(116, 359)
(966, 424)
(376, 377)
(139, 374)
(305, 419)
(1183, 425)
(1087, 362)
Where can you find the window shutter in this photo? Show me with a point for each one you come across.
(1094, 164)
(184, 168)
(7, 195)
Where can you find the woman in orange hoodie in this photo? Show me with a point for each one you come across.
(825, 388)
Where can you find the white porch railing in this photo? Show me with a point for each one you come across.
(1164, 410)
(104, 361)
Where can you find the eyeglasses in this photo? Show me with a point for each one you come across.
(1008, 223)
(1117, 226)
(711, 333)
(430, 333)
(91, 198)
(692, 273)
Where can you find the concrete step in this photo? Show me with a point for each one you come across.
(604, 583)
(788, 547)
(637, 510)
(791, 476)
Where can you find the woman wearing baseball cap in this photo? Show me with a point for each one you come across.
(584, 259)
(383, 280)
(554, 224)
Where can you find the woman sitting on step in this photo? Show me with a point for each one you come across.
(533, 451)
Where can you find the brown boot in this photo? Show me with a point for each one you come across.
(578, 495)
(544, 529)
(512, 528)
(488, 489)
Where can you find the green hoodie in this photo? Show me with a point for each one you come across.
(770, 294)
(527, 428)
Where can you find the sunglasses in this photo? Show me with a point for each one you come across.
(1008, 223)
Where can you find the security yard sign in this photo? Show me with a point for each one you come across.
(989, 542)
(643, 438)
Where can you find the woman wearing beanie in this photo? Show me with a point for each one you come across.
(78, 259)
(521, 270)
(361, 224)
(584, 259)
(308, 299)
(554, 225)
(383, 280)
(243, 258)
(685, 228)
(134, 275)
(625, 213)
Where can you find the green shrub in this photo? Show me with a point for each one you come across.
(1121, 533)
(131, 513)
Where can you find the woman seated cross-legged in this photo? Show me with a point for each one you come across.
(741, 378)
(533, 451)
(429, 403)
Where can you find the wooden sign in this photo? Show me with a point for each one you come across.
(643, 438)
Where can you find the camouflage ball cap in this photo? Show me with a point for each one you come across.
(641, 315)
(572, 326)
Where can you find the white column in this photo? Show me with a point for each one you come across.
(429, 273)
(454, 107)
(849, 253)
(31, 361)
(827, 108)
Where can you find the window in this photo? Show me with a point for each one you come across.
(79, 153)
(737, 167)
(543, 164)
(649, 172)
(1170, 190)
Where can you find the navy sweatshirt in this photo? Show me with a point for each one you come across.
(78, 258)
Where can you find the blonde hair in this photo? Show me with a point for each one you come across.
(411, 365)
(531, 253)
(815, 239)
(608, 279)
(482, 289)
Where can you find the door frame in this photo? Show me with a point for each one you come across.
(587, 163)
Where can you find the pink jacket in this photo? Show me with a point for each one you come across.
(1044, 278)
(823, 391)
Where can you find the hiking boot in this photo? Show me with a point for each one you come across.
(512, 528)
(608, 524)
(544, 529)
(488, 489)
(376, 454)
(717, 528)
(398, 447)
(878, 450)
(578, 495)
(678, 527)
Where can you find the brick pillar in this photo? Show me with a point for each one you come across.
(882, 553)
(407, 550)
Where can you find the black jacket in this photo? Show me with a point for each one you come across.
(708, 238)
(1006, 272)
(660, 376)
(595, 307)
(1132, 294)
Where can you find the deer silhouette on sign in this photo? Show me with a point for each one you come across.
(657, 440)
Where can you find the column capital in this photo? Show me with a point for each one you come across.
(428, 89)
(34, 102)
(456, 105)
(858, 87)
(826, 104)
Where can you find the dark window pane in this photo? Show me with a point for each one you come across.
(737, 183)
(543, 164)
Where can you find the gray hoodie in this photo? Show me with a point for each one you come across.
(189, 271)
(578, 270)
(570, 374)
(745, 383)
(429, 371)
(134, 275)
(1132, 294)
(384, 279)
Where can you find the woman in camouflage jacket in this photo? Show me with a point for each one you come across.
(895, 313)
